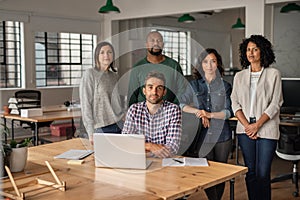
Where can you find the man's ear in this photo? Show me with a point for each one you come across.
(165, 91)
(144, 90)
(147, 45)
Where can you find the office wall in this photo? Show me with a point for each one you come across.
(34, 22)
(208, 31)
(82, 16)
(287, 43)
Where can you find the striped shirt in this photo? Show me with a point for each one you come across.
(163, 127)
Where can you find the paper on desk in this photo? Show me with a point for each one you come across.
(184, 161)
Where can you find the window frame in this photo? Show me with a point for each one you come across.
(12, 54)
(62, 51)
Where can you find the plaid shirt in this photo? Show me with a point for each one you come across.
(164, 127)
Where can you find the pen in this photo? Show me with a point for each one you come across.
(179, 161)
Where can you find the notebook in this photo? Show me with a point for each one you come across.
(184, 161)
(74, 154)
(120, 151)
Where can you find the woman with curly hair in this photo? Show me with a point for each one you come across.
(256, 100)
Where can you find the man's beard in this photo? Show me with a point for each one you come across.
(156, 101)
(155, 53)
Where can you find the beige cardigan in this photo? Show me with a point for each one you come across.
(268, 100)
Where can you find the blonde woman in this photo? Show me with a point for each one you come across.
(100, 102)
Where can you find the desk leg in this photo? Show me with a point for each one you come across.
(36, 134)
(12, 129)
(232, 189)
(5, 136)
(70, 134)
(236, 150)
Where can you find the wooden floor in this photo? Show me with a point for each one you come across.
(280, 190)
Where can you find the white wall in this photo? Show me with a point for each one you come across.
(287, 43)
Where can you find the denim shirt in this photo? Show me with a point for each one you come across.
(213, 97)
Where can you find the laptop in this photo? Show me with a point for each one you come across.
(120, 151)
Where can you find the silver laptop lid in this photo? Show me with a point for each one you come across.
(119, 150)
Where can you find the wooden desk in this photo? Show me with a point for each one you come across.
(294, 123)
(47, 117)
(156, 182)
(78, 187)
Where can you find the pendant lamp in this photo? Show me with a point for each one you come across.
(290, 7)
(109, 8)
(238, 24)
(186, 18)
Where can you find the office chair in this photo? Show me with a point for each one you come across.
(235, 145)
(288, 148)
(34, 95)
(191, 126)
(34, 102)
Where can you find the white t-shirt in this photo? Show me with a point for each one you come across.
(254, 76)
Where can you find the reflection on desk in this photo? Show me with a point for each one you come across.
(78, 187)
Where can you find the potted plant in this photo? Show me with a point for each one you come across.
(18, 156)
(5, 150)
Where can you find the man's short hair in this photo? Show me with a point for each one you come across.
(152, 32)
(155, 74)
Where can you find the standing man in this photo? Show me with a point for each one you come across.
(155, 60)
(157, 119)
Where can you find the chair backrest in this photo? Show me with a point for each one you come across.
(35, 95)
(289, 143)
(190, 145)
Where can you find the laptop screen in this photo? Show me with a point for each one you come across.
(119, 150)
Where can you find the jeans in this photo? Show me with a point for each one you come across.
(258, 155)
(219, 153)
(112, 128)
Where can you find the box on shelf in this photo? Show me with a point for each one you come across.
(61, 129)
(31, 112)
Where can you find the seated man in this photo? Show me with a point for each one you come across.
(158, 120)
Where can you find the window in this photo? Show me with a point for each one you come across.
(61, 58)
(10, 54)
(176, 47)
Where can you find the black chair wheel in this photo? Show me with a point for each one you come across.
(295, 194)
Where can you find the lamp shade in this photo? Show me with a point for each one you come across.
(238, 24)
(186, 18)
(290, 7)
(109, 8)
